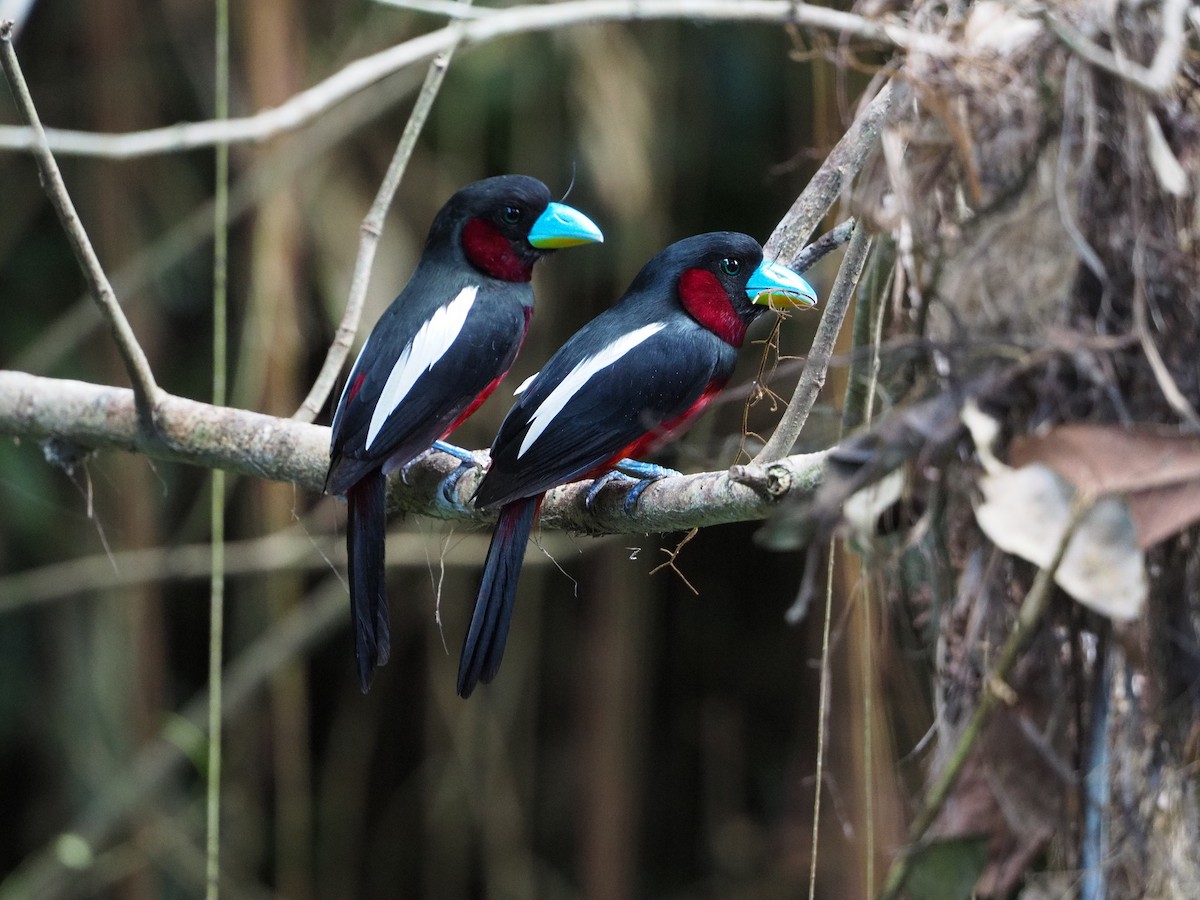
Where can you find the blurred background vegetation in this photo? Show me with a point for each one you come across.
(641, 741)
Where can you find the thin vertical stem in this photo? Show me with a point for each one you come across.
(220, 389)
(857, 411)
(816, 365)
(877, 288)
(822, 713)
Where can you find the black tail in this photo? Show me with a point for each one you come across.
(366, 527)
(484, 647)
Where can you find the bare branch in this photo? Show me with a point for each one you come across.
(823, 246)
(136, 364)
(311, 103)
(817, 363)
(451, 9)
(292, 549)
(790, 237)
(1175, 398)
(266, 175)
(789, 243)
(254, 444)
(372, 228)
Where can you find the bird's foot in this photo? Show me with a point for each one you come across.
(598, 485)
(463, 456)
(642, 474)
(447, 492)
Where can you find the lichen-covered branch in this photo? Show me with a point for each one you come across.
(103, 418)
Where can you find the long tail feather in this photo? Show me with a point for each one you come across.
(484, 647)
(366, 526)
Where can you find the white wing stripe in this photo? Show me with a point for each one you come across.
(524, 384)
(558, 398)
(429, 345)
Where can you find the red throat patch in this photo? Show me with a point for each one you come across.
(491, 253)
(705, 298)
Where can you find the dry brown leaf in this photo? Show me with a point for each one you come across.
(1027, 510)
(1159, 473)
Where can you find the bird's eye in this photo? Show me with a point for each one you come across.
(730, 266)
(512, 214)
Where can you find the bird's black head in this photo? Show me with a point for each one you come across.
(507, 223)
(711, 272)
(722, 282)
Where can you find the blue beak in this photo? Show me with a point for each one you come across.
(563, 226)
(778, 287)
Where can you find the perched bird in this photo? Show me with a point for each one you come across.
(433, 357)
(627, 382)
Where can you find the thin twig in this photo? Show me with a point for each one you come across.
(1029, 617)
(451, 9)
(371, 229)
(291, 550)
(817, 364)
(790, 237)
(789, 243)
(1155, 79)
(268, 174)
(535, 17)
(216, 582)
(823, 246)
(672, 560)
(144, 388)
(822, 716)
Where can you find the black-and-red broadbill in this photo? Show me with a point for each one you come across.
(435, 355)
(628, 381)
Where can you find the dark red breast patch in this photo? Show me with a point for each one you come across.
(705, 298)
(491, 252)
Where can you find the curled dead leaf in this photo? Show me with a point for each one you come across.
(1158, 473)
(1026, 511)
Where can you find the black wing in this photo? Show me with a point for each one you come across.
(657, 382)
(481, 353)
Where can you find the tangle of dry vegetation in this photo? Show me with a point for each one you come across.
(1041, 188)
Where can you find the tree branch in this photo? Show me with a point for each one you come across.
(816, 364)
(789, 242)
(250, 443)
(138, 367)
(790, 237)
(313, 102)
